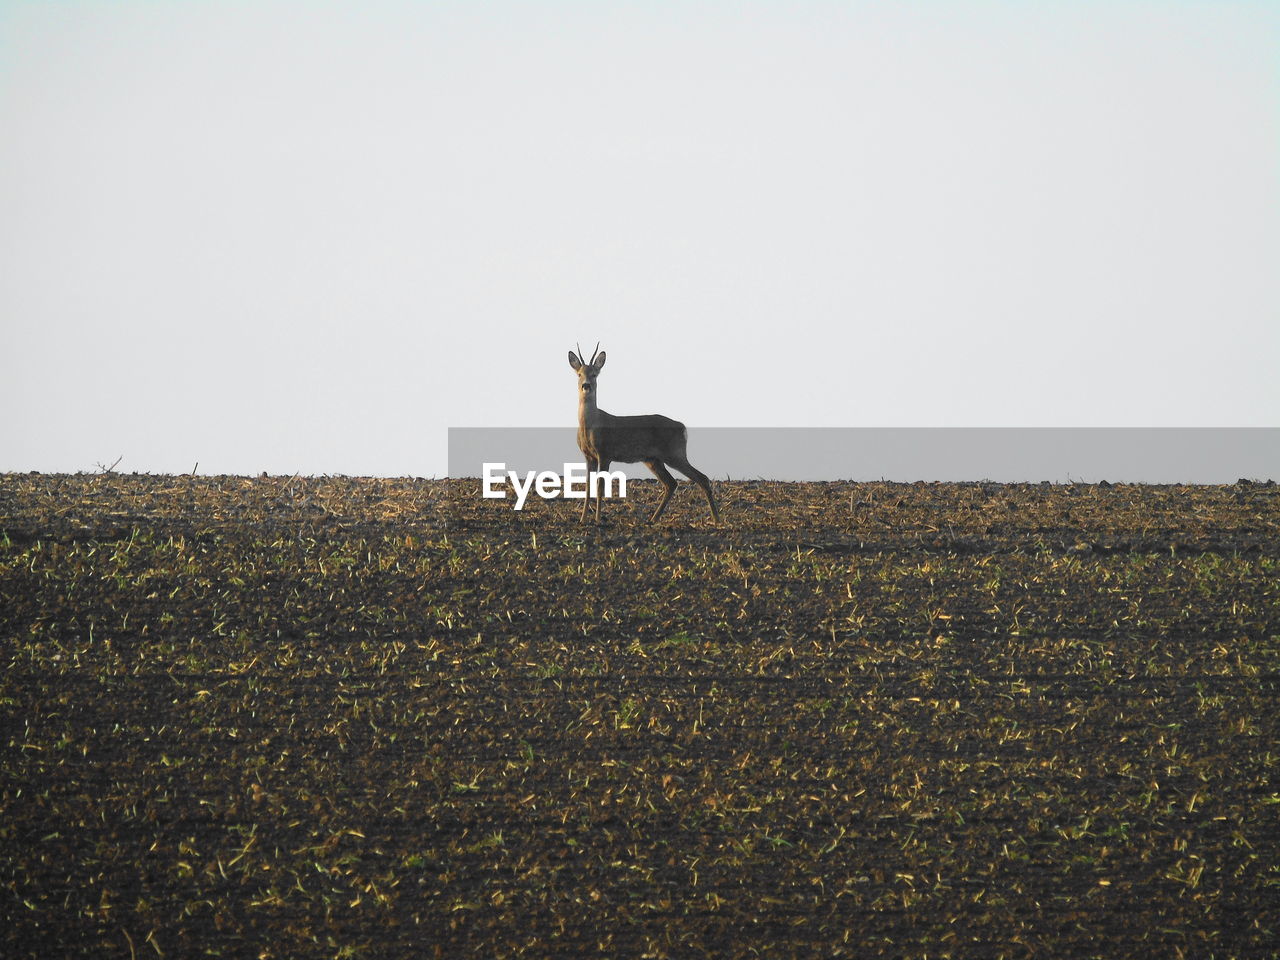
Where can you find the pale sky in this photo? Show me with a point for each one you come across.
(310, 238)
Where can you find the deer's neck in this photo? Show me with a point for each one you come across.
(589, 415)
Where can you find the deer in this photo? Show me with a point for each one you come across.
(654, 440)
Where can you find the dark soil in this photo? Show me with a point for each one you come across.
(355, 717)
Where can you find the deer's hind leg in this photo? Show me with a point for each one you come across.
(700, 478)
(668, 481)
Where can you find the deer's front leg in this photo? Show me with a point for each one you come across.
(586, 500)
(601, 465)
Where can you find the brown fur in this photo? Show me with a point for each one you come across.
(654, 440)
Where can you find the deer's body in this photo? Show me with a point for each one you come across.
(654, 440)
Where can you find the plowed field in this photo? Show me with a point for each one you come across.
(304, 717)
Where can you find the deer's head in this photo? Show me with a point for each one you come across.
(587, 371)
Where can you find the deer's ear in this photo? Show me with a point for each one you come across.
(574, 361)
(599, 361)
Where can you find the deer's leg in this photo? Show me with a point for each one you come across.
(700, 478)
(587, 499)
(668, 481)
(604, 465)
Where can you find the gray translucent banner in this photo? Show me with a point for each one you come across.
(1007, 455)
